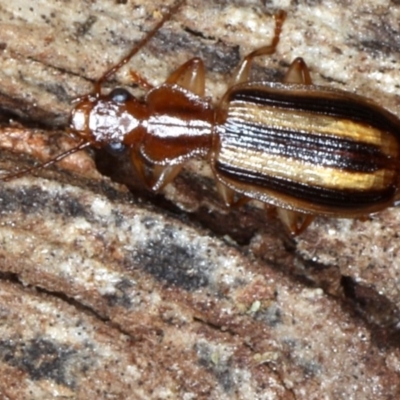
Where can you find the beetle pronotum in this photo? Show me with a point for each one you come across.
(308, 150)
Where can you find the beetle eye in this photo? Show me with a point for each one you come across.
(115, 148)
(120, 95)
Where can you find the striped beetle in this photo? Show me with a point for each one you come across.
(305, 149)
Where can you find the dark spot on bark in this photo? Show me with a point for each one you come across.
(380, 37)
(217, 56)
(122, 296)
(40, 359)
(33, 199)
(82, 28)
(197, 34)
(272, 315)
(219, 368)
(58, 91)
(174, 263)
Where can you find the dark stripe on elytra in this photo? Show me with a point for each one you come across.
(322, 196)
(315, 102)
(321, 150)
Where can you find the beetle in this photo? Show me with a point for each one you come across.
(306, 150)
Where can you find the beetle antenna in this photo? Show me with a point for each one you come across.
(137, 47)
(82, 145)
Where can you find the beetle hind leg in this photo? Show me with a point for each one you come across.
(294, 221)
(230, 197)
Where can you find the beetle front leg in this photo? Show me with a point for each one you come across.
(140, 80)
(190, 76)
(155, 177)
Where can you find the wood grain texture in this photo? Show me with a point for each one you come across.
(125, 294)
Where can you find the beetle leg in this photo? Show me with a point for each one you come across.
(296, 222)
(243, 71)
(162, 175)
(140, 80)
(155, 177)
(190, 76)
(138, 164)
(298, 73)
(229, 196)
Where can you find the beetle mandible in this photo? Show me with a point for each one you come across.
(307, 150)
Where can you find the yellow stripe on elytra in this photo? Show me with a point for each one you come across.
(268, 165)
(313, 124)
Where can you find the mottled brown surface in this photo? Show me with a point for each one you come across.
(109, 294)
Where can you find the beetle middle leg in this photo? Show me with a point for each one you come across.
(298, 73)
(296, 222)
(241, 75)
(243, 72)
